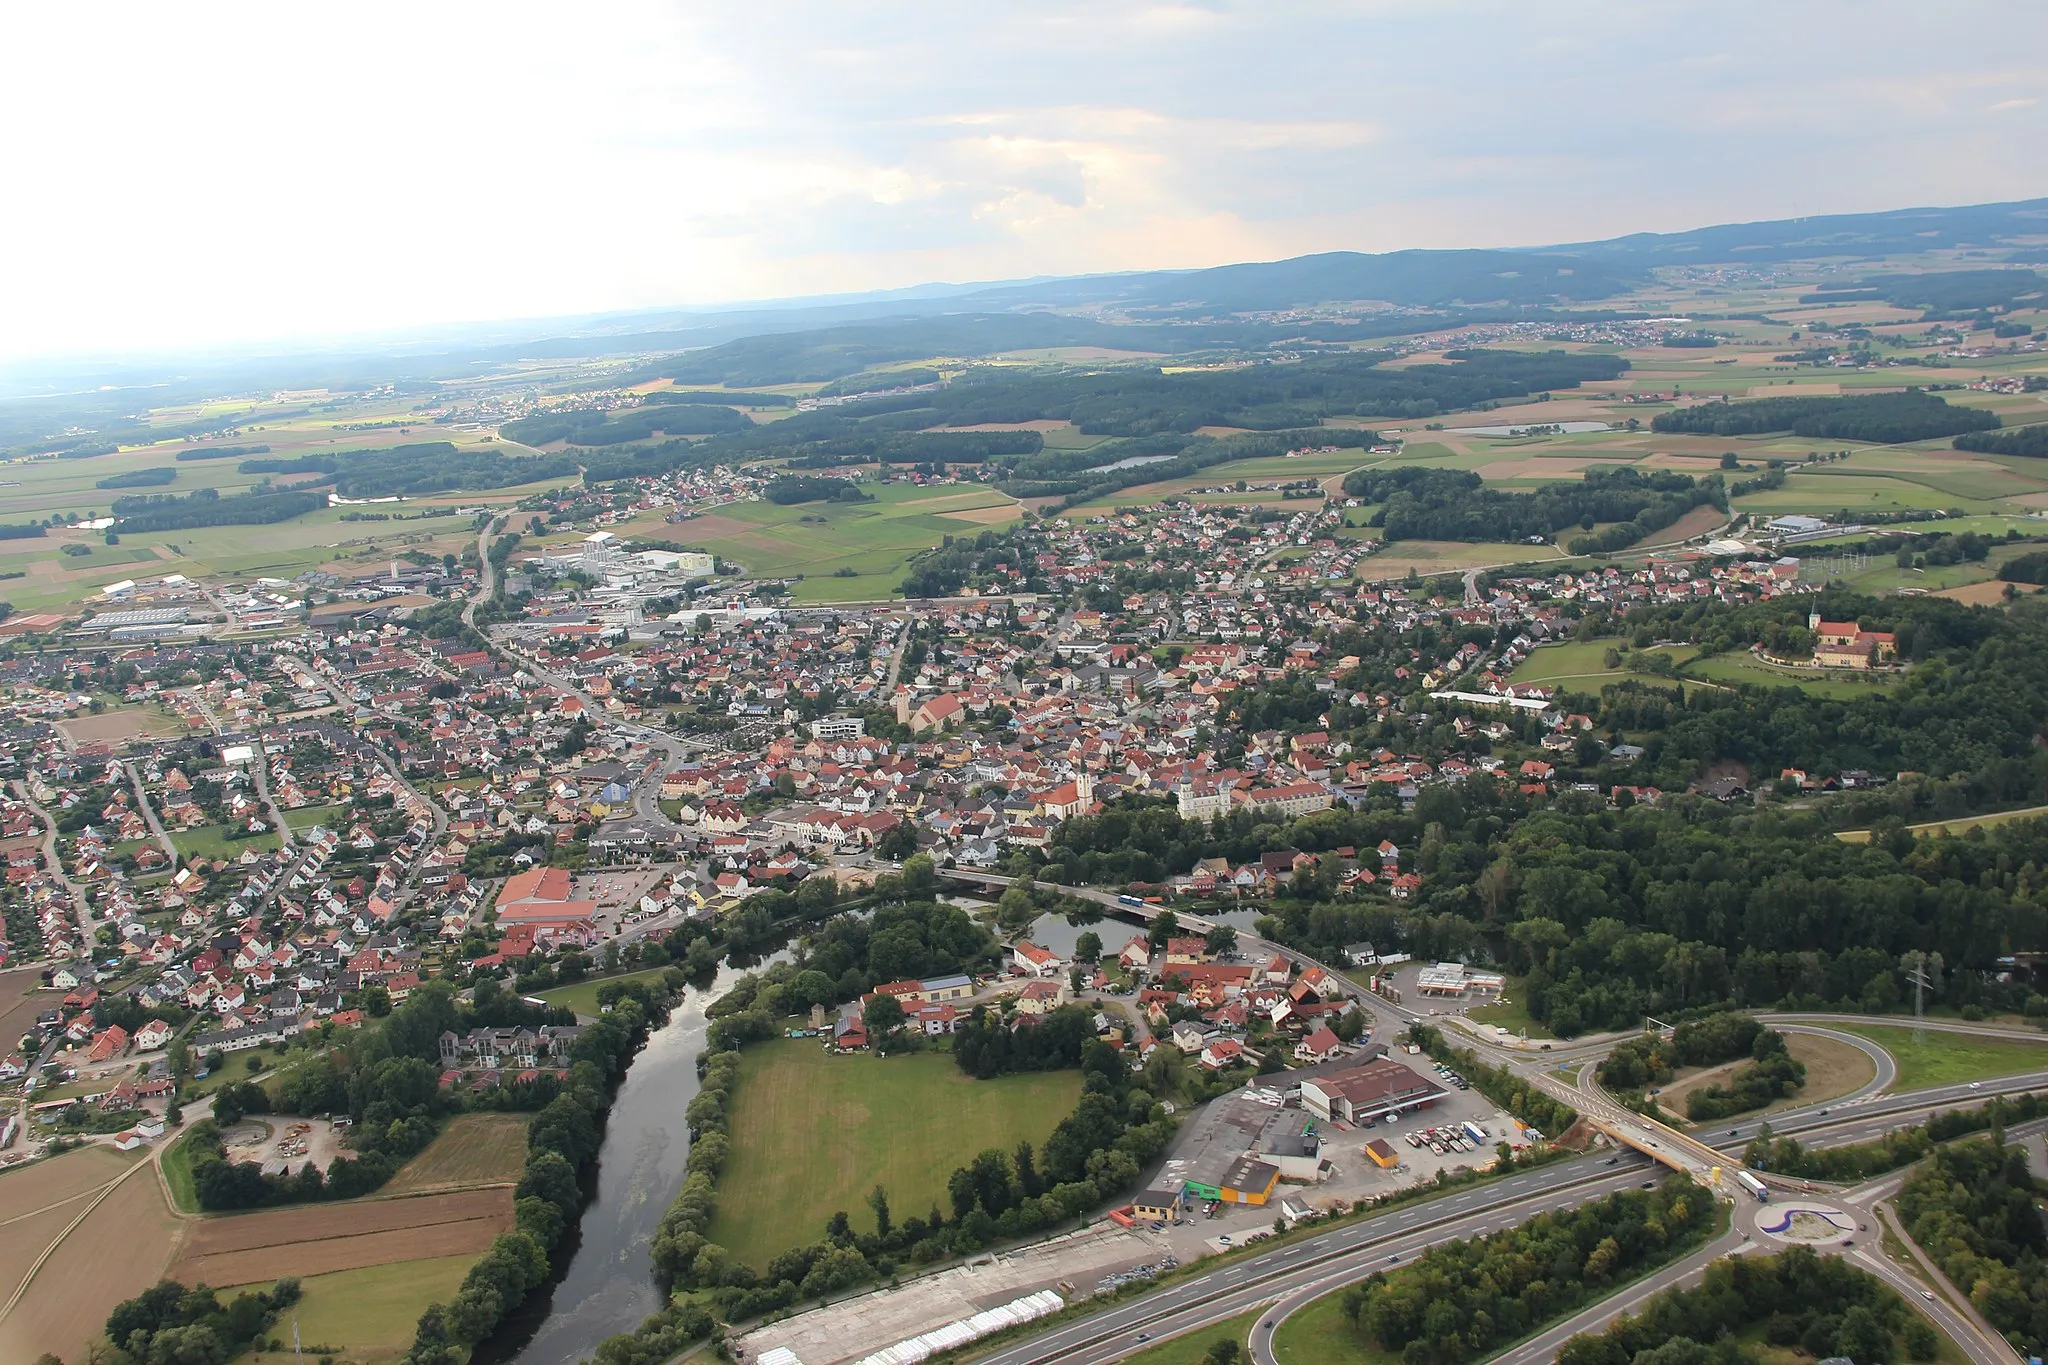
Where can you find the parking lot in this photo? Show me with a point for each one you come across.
(1350, 1175)
(617, 892)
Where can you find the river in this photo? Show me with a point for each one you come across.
(608, 1286)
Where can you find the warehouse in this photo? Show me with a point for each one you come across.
(1244, 1181)
(1366, 1093)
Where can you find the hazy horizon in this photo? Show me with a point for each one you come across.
(200, 181)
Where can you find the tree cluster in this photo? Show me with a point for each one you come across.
(1653, 1059)
(168, 1324)
(1821, 1305)
(1974, 1209)
(1454, 504)
(1465, 1300)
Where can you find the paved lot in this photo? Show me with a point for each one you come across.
(1070, 1266)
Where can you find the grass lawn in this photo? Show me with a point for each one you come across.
(211, 841)
(1320, 1334)
(368, 1315)
(1193, 1347)
(1947, 1058)
(1744, 668)
(813, 1133)
(177, 1165)
(1509, 1012)
(582, 997)
(304, 818)
(1577, 663)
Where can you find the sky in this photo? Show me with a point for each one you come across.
(184, 176)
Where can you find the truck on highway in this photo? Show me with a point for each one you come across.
(1129, 900)
(1757, 1188)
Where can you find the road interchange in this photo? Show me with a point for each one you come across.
(1301, 1271)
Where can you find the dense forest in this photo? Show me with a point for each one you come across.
(206, 507)
(788, 489)
(155, 476)
(2031, 441)
(1914, 415)
(415, 468)
(221, 452)
(1454, 504)
(656, 417)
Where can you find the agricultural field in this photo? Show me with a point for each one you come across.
(1952, 827)
(474, 1151)
(248, 1248)
(367, 1316)
(117, 1250)
(813, 1133)
(21, 1000)
(873, 539)
(1428, 557)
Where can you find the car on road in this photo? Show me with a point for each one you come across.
(1143, 1336)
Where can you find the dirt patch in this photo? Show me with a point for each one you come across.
(716, 526)
(118, 726)
(116, 1253)
(243, 1248)
(1989, 593)
(985, 516)
(1832, 1068)
(470, 1237)
(1547, 466)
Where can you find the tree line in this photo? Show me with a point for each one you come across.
(2030, 440)
(1887, 418)
(1860, 1161)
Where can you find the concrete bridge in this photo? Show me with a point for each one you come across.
(1111, 904)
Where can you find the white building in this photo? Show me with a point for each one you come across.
(598, 548)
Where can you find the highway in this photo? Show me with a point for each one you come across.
(1339, 1256)
(1294, 1275)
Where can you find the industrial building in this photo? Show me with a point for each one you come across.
(1369, 1092)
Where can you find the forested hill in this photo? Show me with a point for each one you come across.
(1152, 413)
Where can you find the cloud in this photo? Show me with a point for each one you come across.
(181, 175)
